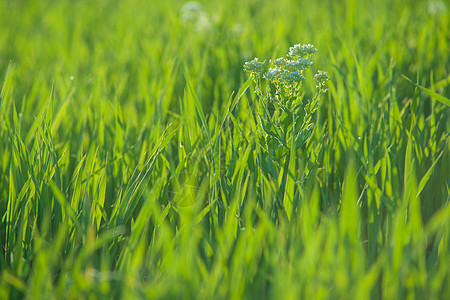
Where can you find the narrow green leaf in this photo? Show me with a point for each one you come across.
(198, 106)
(431, 93)
(427, 175)
(65, 205)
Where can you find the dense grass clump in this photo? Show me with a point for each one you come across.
(139, 160)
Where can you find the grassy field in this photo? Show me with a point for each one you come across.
(138, 160)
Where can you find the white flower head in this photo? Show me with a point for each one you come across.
(436, 8)
(292, 77)
(297, 65)
(286, 73)
(301, 50)
(279, 62)
(254, 66)
(321, 78)
(193, 13)
(274, 74)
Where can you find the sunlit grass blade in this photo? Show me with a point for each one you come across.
(431, 93)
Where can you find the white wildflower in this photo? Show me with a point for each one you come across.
(321, 78)
(436, 8)
(279, 62)
(254, 66)
(193, 13)
(291, 65)
(298, 65)
(301, 50)
(274, 74)
(286, 73)
(292, 77)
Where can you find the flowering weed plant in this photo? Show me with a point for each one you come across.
(284, 113)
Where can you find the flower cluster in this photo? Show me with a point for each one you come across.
(291, 65)
(287, 72)
(193, 13)
(273, 74)
(293, 77)
(254, 66)
(321, 78)
(302, 50)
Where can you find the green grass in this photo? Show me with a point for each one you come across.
(131, 164)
